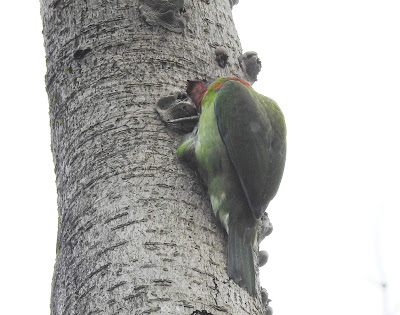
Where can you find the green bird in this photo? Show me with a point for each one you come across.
(239, 147)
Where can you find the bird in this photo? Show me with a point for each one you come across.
(239, 148)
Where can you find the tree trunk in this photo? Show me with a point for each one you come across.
(136, 230)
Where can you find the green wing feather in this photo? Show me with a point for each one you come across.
(253, 131)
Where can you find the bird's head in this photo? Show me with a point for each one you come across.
(196, 89)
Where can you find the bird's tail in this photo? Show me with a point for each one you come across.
(240, 257)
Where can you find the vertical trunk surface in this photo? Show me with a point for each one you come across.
(136, 231)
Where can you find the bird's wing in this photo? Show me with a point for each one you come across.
(247, 134)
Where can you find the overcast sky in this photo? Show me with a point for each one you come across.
(334, 69)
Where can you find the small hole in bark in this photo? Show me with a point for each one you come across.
(81, 53)
(203, 312)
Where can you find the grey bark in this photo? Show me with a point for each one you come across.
(136, 231)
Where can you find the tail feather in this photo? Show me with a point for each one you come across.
(240, 258)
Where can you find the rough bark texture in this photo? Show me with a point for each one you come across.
(136, 230)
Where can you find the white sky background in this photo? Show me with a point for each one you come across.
(334, 69)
